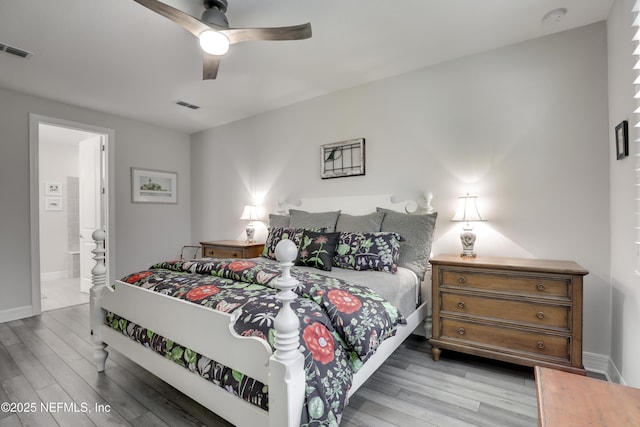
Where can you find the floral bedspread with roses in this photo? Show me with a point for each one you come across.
(341, 325)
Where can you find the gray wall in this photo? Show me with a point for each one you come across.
(524, 127)
(625, 290)
(144, 233)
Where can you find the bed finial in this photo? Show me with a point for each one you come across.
(287, 361)
(286, 323)
(99, 283)
(424, 202)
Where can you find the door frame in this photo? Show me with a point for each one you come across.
(107, 200)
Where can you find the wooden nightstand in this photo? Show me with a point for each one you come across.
(524, 311)
(231, 249)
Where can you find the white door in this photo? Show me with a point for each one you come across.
(90, 189)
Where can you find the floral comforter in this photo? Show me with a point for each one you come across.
(341, 325)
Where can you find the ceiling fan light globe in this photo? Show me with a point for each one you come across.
(214, 42)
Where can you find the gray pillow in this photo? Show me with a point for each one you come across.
(279, 221)
(370, 223)
(313, 220)
(417, 231)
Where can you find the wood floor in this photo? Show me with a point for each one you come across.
(48, 359)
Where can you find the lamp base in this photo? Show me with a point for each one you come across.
(468, 240)
(250, 230)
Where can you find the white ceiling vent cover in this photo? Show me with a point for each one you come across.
(15, 51)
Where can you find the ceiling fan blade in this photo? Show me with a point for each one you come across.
(294, 32)
(210, 64)
(191, 24)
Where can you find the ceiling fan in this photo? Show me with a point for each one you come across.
(214, 32)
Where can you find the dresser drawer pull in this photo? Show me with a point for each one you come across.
(540, 287)
(461, 304)
(462, 279)
(540, 315)
(461, 331)
(540, 345)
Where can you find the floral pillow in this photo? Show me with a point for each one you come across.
(275, 235)
(368, 251)
(317, 249)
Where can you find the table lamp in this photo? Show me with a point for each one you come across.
(250, 213)
(467, 212)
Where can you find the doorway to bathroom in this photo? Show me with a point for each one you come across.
(71, 165)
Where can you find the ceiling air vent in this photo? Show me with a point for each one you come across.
(14, 51)
(186, 104)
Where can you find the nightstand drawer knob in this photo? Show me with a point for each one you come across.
(461, 304)
(540, 315)
(461, 331)
(540, 345)
(540, 287)
(462, 279)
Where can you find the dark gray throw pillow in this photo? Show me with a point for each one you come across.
(317, 249)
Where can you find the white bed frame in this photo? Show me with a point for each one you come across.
(282, 370)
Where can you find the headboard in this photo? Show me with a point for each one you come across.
(359, 205)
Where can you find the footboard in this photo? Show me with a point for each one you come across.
(210, 333)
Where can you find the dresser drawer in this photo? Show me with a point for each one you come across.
(495, 337)
(520, 283)
(532, 313)
(213, 252)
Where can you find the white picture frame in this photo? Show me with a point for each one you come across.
(53, 188)
(53, 203)
(153, 186)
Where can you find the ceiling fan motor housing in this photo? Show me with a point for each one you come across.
(214, 13)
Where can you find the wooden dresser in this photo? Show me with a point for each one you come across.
(524, 311)
(231, 249)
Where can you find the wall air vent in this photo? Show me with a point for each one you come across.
(186, 104)
(14, 51)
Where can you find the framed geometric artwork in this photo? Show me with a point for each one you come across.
(622, 140)
(340, 159)
(151, 186)
(53, 188)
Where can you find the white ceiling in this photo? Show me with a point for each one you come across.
(119, 57)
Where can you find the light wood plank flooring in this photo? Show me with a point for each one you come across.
(47, 359)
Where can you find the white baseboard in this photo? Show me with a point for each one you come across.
(15, 313)
(603, 365)
(54, 275)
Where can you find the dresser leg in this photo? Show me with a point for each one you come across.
(435, 354)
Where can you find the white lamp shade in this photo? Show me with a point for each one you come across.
(250, 213)
(467, 210)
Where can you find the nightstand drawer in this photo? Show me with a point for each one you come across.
(535, 285)
(532, 313)
(213, 252)
(231, 249)
(501, 338)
